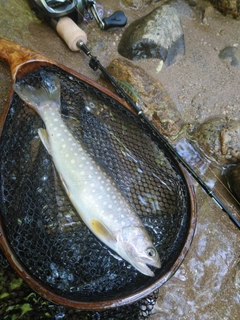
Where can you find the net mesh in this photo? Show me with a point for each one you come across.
(41, 225)
(16, 296)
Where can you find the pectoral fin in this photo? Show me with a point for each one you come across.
(102, 231)
(44, 138)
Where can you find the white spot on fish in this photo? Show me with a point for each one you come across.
(56, 120)
(64, 146)
(72, 161)
(59, 134)
(110, 206)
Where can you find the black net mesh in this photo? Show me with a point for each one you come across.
(18, 301)
(43, 228)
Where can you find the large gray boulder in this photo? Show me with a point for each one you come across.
(157, 35)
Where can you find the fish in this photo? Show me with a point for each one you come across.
(91, 190)
(131, 92)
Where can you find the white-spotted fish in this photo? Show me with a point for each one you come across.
(92, 192)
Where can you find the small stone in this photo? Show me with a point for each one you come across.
(192, 3)
(209, 12)
(219, 139)
(230, 55)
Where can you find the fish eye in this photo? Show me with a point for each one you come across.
(151, 252)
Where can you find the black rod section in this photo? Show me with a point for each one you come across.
(95, 65)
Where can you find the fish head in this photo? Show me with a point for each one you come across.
(137, 248)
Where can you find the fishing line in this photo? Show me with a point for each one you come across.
(95, 64)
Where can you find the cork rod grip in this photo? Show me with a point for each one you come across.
(70, 33)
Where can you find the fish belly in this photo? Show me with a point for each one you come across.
(92, 192)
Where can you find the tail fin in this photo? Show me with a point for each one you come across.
(48, 90)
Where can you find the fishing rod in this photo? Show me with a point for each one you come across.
(52, 11)
(95, 65)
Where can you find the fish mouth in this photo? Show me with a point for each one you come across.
(143, 266)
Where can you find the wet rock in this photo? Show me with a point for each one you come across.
(157, 35)
(228, 7)
(183, 8)
(136, 4)
(232, 178)
(218, 139)
(230, 55)
(155, 100)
